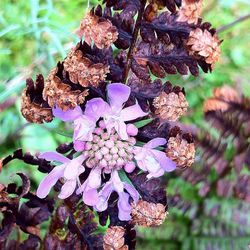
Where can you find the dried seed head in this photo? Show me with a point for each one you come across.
(114, 239)
(83, 71)
(190, 11)
(33, 107)
(170, 106)
(180, 151)
(222, 98)
(148, 214)
(60, 94)
(202, 44)
(99, 30)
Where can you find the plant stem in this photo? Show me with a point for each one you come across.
(228, 26)
(134, 39)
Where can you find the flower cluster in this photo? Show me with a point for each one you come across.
(106, 144)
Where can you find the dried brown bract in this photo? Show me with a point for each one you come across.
(190, 11)
(114, 239)
(99, 30)
(83, 71)
(33, 107)
(170, 106)
(60, 94)
(204, 45)
(148, 214)
(181, 151)
(222, 97)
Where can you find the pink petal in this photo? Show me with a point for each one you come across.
(96, 108)
(155, 143)
(83, 129)
(118, 94)
(54, 156)
(121, 129)
(124, 208)
(49, 181)
(132, 191)
(67, 189)
(132, 113)
(167, 164)
(94, 179)
(72, 168)
(69, 115)
(90, 197)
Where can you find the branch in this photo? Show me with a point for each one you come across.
(134, 39)
(230, 25)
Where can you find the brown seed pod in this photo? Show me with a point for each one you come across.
(60, 94)
(99, 30)
(114, 239)
(180, 151)
(202, 44)
(190, 11)
(82, 70)
(33, 107)
(170, 106)
(148, 214)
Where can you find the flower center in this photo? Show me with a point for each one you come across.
(108, 151)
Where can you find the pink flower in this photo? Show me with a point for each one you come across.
(152, 160)
(116, 115)
(90, 186)
(69, 170)
(115, 184)
(84, 123)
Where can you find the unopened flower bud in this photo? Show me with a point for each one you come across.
(132, 130)
(130, 167)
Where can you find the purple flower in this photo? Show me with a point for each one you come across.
(69, 170)
(90, 186)
(84, 123)
(113, 114)
(115, 184)
(153, 160)
(116, 116)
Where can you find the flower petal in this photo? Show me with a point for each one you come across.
(132, 191)
(121, 129)
(54, 156)
(124, 208)
(133, 112)
(49, 181)
(69, 115)
(72, 168)
(118, 94)
(132, 130)
(67, 189)
(90, 197)
(155, 143)
(94, 179)
(96, 108)
(167, 164)
(83, 129)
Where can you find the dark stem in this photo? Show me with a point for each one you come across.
(134, 39)
(228, 26)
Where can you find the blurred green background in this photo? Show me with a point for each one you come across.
(35, 34)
